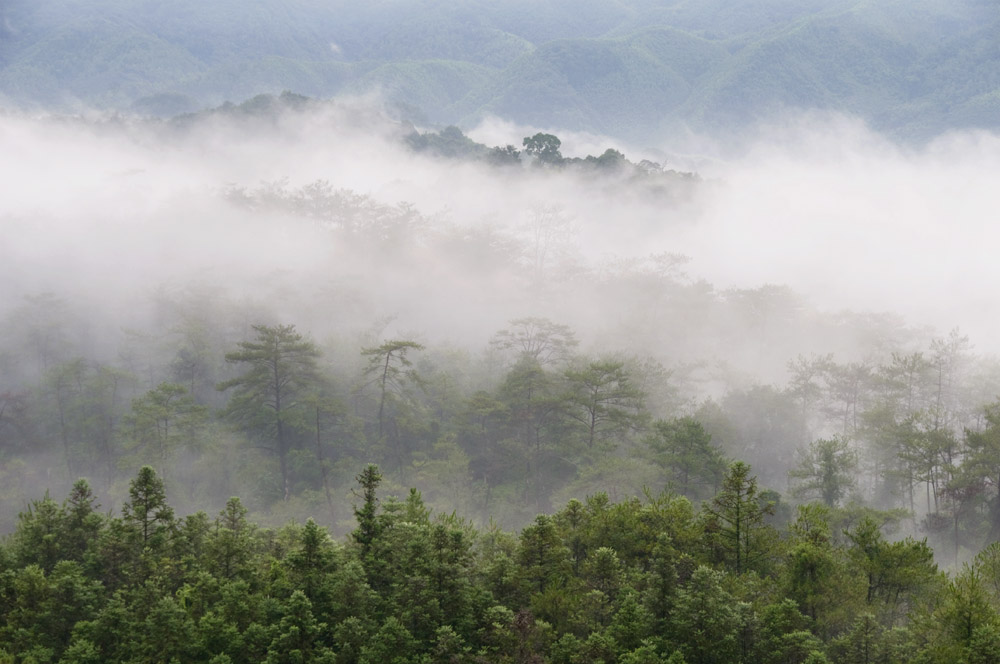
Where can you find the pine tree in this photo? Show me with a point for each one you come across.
(738, 515)
(281, 367)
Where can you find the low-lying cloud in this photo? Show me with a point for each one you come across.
(110, 210)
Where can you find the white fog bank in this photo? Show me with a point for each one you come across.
(821, 205)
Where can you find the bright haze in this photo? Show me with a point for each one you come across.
(109, 211)
(844, 150)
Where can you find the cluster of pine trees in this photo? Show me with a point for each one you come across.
(640, 581)
(264, 412)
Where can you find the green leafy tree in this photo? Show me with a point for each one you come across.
(604, 400)
(507, 155)
(827, 470)
(82, 411)
(311, 565)
(544, 148)
(863, 643)
(25, 625)
(230, 546)
(350, 636)
(538, 427)
(737, 518)
(660, 591)
(964, 624)
(537, 339)
(609, 160)
(782, 635)
(543, 560)
(982, 464)
(895, 573)
(705, 622)
(268, 401)
(391, 644)
(167, 634)
(450, 571)
(82, 522)
(369, 526)
(815, 572)
(927, 454)
(16, 423)
(298, 635)
(684, 449)
(39, 535)
(391, 371)
(632, 624)
(163, 420)
(147, 512)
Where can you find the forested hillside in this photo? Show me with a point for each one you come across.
(635, 581)
(499, 332)
(318, 386)
(636, 69)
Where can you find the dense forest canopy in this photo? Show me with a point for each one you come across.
(681, 348)
(635, 581)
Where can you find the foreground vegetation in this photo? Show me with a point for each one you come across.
(638, 581)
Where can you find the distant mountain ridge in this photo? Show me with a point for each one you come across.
(627, 68)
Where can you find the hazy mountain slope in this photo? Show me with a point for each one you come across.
(836, 63)
(122, 63)
(632, 68)
(744, 20)
(614, 86)
(433, 86)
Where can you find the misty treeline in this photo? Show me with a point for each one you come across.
(723, 474)
(541, 150)
(637, 581)
(638, 378)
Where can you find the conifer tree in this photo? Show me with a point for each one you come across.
(737, 513)
(280, 368)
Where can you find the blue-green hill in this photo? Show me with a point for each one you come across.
(631, 68)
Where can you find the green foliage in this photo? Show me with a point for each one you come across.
(896, 572)
(736, 521)
(449, 142)
(369, 526)
(147, 513)
(704, 622)
(828, 471)
(163, 421)
(392, 643)
(684, 449)
(280, 368)
(605, 400)
(543, 148)
(596, 582)
(391, 372)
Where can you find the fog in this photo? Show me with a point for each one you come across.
(812, 236)
(108, 209)
(842, 215)
(854, 222)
